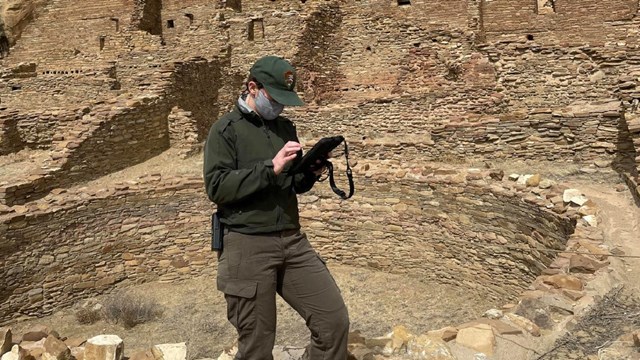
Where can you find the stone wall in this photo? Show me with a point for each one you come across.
(446, 225)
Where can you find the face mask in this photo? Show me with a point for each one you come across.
(268, 109)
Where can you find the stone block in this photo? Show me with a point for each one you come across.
(104, 347)
(479, 337)
(176, 351)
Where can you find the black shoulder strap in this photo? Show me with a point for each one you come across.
(332, 182)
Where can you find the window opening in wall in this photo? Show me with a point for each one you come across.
(117, 23)
(255, 29)
(16, 87)
(545, 7)
(530, 37)
(170, 24)
(190, 17)
(102, 41)
(236, 5)
(404, 2)
(416, 45)
(368, 48)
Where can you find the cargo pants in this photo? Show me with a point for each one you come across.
(253, 268)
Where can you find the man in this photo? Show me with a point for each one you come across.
(246, 158)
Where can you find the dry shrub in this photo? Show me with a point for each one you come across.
(130, 310)
(88, 312)
(86, 316)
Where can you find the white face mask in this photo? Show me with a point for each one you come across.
(268, 109)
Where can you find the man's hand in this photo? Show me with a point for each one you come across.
(285, 155)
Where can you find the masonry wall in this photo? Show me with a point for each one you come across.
(444, 228)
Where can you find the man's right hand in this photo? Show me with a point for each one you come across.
(285, 155)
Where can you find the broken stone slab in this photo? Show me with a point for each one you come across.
(104, 347)
(5, 340)
(479, 337)
(584, 264)
(563, 281)
(176, 351)
(523, 323)
(427, 347)
(574, 196)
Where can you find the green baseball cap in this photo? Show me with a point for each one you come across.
(279, 78)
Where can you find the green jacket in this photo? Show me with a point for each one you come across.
(239, 176)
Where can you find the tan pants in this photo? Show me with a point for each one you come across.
(252, 268)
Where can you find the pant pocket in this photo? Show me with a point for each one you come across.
(241, 302)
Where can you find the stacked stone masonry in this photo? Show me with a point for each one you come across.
(446, 225)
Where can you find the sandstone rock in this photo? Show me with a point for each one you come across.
(493, 314)
(35, 348)
(479, 337)
(427, 347)
(361, 352)
(546, 183)
(447, 333)
(5, 340)
(399, 339)
(55, 349)
(17, 353)
(562, 281)
(146, 354)
(534, 180)
(36, 333)
(522, 179)
(524, 323)
(77, 352)
(75, 341)
(574, 196)
(356, 338)
(514, 177)
(170, 351)
(572, 294)
(289, 353)
(591, 220)
(636, 338)
(583, 264)
(104, 347)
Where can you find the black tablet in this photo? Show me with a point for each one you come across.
(319, 151)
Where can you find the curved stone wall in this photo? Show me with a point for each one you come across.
(446, 226)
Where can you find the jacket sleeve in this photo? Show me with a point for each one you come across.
(304, 182)
(224, 182)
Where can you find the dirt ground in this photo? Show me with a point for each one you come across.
(195, 313)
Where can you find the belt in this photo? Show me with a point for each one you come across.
(281, 233)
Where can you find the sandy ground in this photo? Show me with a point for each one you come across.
(195, 312)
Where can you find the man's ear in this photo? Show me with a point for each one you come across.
(253, 88)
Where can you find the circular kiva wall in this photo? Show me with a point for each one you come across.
(447, 226)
